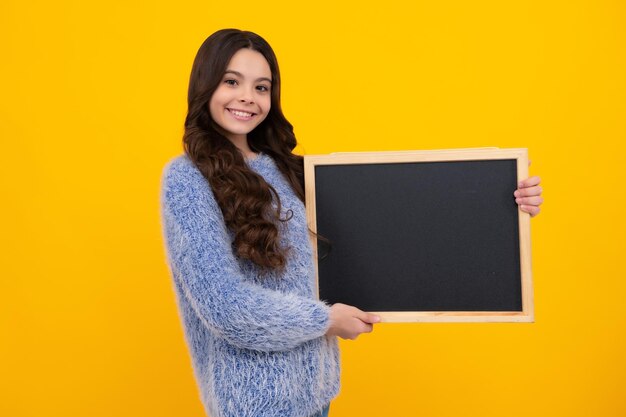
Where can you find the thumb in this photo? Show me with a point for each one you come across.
(368, 317)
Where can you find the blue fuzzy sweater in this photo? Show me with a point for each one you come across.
(257, 343)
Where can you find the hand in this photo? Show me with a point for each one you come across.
(349, 322)
(528, 196)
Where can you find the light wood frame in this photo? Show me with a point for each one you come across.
(442, 155)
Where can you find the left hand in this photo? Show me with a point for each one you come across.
(528, 195)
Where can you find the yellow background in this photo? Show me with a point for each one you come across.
(93, 103)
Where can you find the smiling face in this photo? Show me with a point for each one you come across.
(242, 100)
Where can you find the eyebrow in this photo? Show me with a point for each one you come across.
(237, 73)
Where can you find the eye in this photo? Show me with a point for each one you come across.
(263, 88)
(230, 81)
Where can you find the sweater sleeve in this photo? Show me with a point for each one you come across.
(201, 258)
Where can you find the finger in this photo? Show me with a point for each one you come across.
(529, 162)
(361, 315)
(528, 192)
(529, 182)
(367, 328)
(532, 210)
(530, 201)
(370, 318)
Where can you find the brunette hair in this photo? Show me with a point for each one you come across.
(244, 197)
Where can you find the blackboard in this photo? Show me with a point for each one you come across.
(422, 235)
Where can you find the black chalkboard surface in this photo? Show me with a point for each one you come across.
(423, 235)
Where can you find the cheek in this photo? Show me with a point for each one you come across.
(215, 104)
(220, 96)
(266, 112)
(266, 105)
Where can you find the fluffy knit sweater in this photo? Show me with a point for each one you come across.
(256, 342)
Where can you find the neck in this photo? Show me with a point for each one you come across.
(241, 142)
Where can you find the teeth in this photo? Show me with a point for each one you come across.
(240, 113)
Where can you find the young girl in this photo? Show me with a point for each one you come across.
(238, 243)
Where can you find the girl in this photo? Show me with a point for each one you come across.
(238, 243)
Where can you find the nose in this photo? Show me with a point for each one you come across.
(246, 97)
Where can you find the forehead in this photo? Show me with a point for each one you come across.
(250, 64)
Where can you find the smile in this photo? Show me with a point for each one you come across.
(242, 115)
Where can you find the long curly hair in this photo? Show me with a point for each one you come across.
(244, 197)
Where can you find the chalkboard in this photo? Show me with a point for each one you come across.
(422, 235)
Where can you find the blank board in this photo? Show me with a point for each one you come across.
(422, 235)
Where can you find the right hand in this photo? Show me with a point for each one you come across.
(349, 322)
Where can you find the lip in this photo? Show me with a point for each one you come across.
(241, 110)
(240, 118)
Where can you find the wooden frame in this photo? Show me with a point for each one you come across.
(520, 155)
